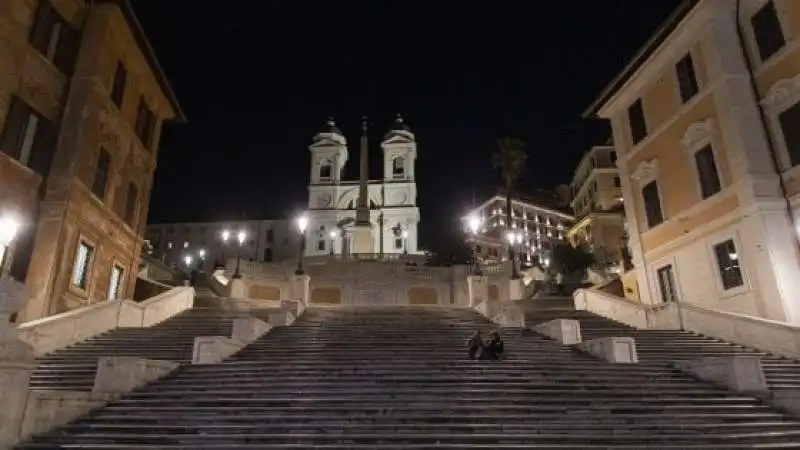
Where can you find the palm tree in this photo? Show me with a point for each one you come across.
(510, 158)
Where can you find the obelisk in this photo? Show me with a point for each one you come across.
(362, 229)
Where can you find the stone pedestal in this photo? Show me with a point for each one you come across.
(237, 288)
(564, 331)
(248, 329)
(362, 242)
(300, 288)
(16, 364)
(122, 374)
(478, 288)
(740, 373)
(618, 350)
(516, 289)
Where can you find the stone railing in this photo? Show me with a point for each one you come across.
(768, 335)
(61, 330)
(614, 308)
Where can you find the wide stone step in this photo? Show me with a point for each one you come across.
(416, 446)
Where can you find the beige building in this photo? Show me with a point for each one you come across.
(706, 123)
(82, 103)
(597, 205)
(538, 223)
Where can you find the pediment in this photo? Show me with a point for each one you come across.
(397, 140)
(325, 142)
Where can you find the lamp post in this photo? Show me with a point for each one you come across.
(405, 242)
(224, 236)
(302, 224)
(9, 226)
(513, 239)
(474, 223)
(333, 235)
(241, 236)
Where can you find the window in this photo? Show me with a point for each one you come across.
(652, 204)
(145, 123)
(687, 79)
(617, 182)
(767, 30)
(398, 167)
(268, 255)
(637, 122)
(790, 125)
(80, 269)
(667, 285)
(270, 235)
(325, 170)
(54, 38)
(613, 156)
(321, 244)
(130, 204)
(730, 272)
(707, 172)
(115, 281)
(28, 137)
(101, 174)
(398, 243)
(118, 87)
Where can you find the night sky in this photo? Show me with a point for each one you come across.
(257, 82)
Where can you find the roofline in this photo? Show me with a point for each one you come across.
(150, 55)
(585, 158)
(515, 200)
(645, 52)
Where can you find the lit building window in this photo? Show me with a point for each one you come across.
(80, 270)
(186, 244)
(115, 282)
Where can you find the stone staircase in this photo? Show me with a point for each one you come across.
(398, 378)
(663, 347)
(74, 368)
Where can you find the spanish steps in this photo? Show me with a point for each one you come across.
(398, 378)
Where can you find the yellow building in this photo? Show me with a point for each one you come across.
(706, 123)
(598, 207)
(82, 103)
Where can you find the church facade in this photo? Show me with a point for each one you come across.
(332, 201)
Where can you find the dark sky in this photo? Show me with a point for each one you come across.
(257, 82)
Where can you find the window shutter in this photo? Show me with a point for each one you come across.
(42, 26)
(14, 127)
(67, 53)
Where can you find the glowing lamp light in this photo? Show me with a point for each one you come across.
(474, 223)
(333, 234)
(202, 253)
(188, 260)
(225, 235)
(241, 237)
(302, 223)
(9, 226)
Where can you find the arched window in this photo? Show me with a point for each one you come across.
(398, 167)
(325, 169)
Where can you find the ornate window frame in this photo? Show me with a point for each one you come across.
(781, 96)
(713, 241)
(749, 9)
(645, 173)
(698, 136)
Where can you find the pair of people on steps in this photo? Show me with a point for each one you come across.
(491, 349)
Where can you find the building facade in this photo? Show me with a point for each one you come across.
(598, 207)
(264, 240)
(82, 103)
(537, 226)
(332, 202)
(706, 123)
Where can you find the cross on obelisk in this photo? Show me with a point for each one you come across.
(363, 242)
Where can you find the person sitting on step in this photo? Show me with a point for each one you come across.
(475, 344)
(493, 348)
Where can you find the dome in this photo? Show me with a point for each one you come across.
(330, 128)
(399, 127)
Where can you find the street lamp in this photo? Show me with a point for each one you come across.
(474, 223)
(188, 261)
(302, 224)
(333, 235)
(202, 254)
(405, 242)
(224, 236)
(513, 238)
(241, 236)
(9, 226)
